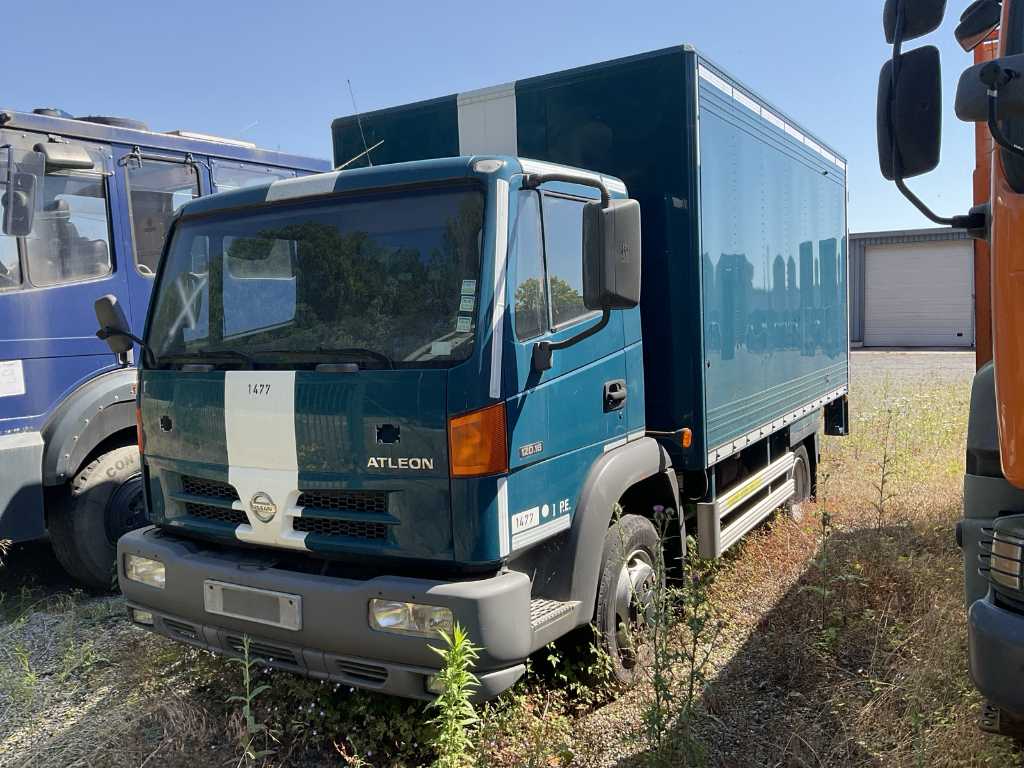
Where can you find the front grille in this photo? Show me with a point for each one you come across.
(365, 673)
(182, 630)
(353, 529)
(267, 652)
(211, 489)
(346, 501)
(216, 514)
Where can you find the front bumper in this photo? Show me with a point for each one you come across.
(335, 641)
(995, 639)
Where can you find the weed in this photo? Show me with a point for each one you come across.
(455, 712)
(250, 730)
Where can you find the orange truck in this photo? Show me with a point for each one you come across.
(991, 95)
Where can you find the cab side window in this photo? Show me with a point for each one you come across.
(10, 266)
(71, 237)
(156, 190)
(530, 299)
(563, 244)
(229, 175)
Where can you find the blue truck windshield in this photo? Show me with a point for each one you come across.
(382, 280)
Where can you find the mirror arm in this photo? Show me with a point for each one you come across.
(969, 221)
(993, 77)
(534, 180)
(543, 350)
(106, 332)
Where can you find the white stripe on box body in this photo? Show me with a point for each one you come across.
(259, 424)
(498, 302)
(487, 121)
(503, 525)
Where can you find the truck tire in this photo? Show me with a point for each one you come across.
(802, 479)
(105, 501)
(626, 591)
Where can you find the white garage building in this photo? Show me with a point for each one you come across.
(912, 288)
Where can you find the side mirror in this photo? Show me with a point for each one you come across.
(113, 325)
(611, 255)
(919, 18)
(910, 118)
(977, 23)
(972, 92)
(19, 203)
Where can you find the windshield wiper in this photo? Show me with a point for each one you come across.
(330, 353)
(209, 356)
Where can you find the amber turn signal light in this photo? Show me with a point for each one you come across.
(686, 438)
(140, 435)
(477, 444)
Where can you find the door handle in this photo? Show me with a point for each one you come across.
(614, 395)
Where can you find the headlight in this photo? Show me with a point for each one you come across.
(409, 618)
(145, 571)
(141, 617)
(1007, 551)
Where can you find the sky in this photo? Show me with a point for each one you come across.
(275, 73)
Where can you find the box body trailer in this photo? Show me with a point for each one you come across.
(480, 368)
(744, 309)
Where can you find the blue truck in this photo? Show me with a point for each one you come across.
(86, 205)
(414, 392)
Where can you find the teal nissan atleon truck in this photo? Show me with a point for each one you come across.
(382, 400)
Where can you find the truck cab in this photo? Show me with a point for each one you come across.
(86, 206)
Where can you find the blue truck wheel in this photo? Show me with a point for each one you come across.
(802, 480)
(626, 592)
(105, 501)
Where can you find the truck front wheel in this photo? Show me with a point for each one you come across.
(105, 501)
(626, 592)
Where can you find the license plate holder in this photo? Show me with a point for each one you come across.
(262, 606)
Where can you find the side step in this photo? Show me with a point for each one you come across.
(550, 619)
(739, 514)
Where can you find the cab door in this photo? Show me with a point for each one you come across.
(53, 277)
(562, 419)
(154, 186)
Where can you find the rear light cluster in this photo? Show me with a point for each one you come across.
(477, 442)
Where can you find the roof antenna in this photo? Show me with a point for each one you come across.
(359, 122)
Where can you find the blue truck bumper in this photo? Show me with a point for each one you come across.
(21, 486)
(996, 649)
(334, 640)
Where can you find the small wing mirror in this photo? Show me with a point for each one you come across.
(977, 23)
(19, 203)
(113, 325)
(611, 255)
(919, 18)
(912, 117)
(972, 92)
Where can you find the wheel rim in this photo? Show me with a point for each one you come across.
(634, 603)
(126, 509)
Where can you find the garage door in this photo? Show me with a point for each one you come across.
(919, 295)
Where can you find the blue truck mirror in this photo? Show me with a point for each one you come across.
(113, 325)
(611, 255)
(19, 204)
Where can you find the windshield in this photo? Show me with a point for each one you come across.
(382, 281)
